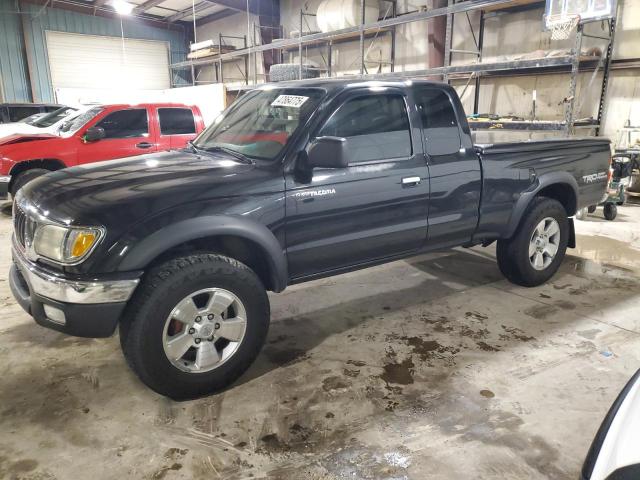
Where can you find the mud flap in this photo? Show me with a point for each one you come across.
(572, 234)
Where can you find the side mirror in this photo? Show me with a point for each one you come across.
(328, 152)
(93, 134)
(614, 451)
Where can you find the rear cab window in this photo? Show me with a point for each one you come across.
(375, 125)
(176, 121)
(439, 122)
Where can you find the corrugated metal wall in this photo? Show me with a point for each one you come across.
(14, 84)
(16, 81)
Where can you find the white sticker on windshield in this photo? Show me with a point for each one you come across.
(295, 101)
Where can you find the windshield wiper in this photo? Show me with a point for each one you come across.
(243, 158)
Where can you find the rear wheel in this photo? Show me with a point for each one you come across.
(25, 177)
(591, 209)
(536, 250)
(195, 325)
(610, 211)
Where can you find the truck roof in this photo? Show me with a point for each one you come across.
(333, 84)
(145, 105)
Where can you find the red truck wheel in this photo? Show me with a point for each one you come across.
(25, 177)
(536, 250)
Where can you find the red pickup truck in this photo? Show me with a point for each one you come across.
(103, 132)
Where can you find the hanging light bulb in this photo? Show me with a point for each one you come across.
(122, 7)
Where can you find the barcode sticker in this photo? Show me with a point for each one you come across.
(294, 101)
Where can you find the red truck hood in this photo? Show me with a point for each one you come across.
(17, 138)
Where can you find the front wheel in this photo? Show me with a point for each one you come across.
(536, 250)
(195, 325)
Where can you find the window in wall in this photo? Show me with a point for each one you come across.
(376, 126)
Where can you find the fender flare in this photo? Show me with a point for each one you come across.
(545, 180)
(18, 165)
(190, 229)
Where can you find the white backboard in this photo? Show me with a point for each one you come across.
(588, 10)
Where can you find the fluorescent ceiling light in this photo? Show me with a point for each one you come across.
(122, 7)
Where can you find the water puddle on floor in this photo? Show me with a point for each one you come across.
(606, 250)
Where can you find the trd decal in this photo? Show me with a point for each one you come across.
(594, 177)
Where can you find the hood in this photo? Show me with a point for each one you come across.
(127, 190)
(19, 128)
(16, 138)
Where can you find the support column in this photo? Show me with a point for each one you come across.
(437, 28)
(269, 27)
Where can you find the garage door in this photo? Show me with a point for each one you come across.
(89, 61)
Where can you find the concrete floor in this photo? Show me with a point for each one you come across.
(432, 368)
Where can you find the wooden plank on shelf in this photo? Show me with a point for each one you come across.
(210, 51)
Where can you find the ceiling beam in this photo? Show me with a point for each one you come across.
(97, 4)
(188, 11)
(103, 11)
(227, 12)
(256, 7)
(143, 7)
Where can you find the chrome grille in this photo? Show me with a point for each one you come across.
(19, 224)
(23, 227)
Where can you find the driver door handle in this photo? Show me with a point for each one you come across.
(144, 145)
(411, 181)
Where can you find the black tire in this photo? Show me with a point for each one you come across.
(142, 326)
(25, 177)
(591, 209)
(513, 253)
(610, 211)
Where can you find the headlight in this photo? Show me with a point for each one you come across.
(68, 245)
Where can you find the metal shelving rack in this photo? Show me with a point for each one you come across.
(358, 32)
(573, 63)
(329, 43)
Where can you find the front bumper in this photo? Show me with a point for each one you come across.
(80, 307)
(4, 186)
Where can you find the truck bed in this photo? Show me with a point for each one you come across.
(512, 170)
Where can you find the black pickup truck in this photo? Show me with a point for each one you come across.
(295, 181)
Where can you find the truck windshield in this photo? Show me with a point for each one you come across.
(261, 123)
(50, 118)
(72, 126)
